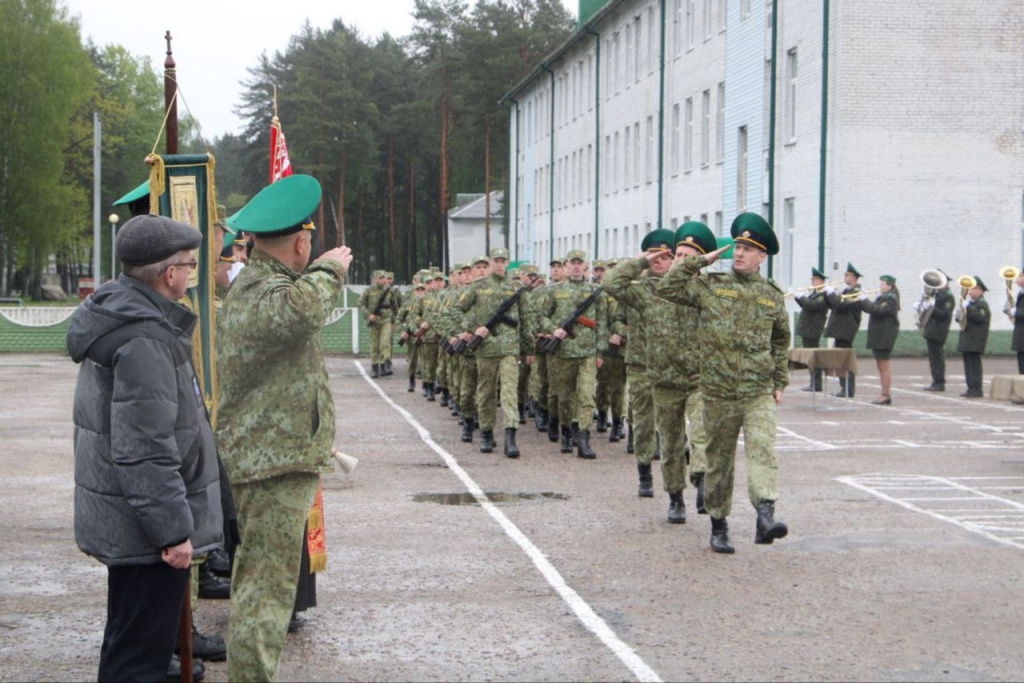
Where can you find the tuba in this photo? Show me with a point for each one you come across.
(966, 283)
(1009, 274)
(933, 281)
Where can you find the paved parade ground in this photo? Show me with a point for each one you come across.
(905, 558)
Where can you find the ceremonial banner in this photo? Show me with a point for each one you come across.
(181, 187)
(280, 166)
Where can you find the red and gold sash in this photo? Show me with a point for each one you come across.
(315, 537)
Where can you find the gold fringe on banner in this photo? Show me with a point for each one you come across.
(315, 538)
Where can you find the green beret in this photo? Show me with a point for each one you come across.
(696, 235)
(750, 228)
(852, 271)
(499, 252)
(279, 209)
(658, 240)
(978, 283)
(889, 279)
(135, 195)
(576, 254)
(817, 273)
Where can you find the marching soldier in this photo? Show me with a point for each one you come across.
(883, 329)
(579, 350)
(388, 345)
(551, 360)
(975, 318)
(844, 321)
(1016, 313)
(378, 304)
(527, 278)
(611, 395)
(497, 357)
(744, 341)
(406, 330)
(936, 331)
(424, 316)
(811, 323)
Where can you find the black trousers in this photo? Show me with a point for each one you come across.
(972, 368)
(1020, 362)
(851, 390)
(816, 375)
(143, 608)
(937, 362)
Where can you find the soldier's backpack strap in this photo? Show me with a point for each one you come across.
(103, 349)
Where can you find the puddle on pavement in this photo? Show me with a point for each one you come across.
(466, 498)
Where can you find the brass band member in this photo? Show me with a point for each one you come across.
(883, 329)
(976, 318)
(844, 321)
(1016, 313)
(936, 330)
(811, 323)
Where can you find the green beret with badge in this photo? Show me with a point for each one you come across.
(750, 228)
(696, 235)
(280, 209)
(658, 240)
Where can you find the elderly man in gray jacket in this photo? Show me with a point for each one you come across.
(147, 493)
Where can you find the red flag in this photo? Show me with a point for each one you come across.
(280, 166)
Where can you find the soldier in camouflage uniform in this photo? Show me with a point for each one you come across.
(381, 295)
(406, 331)
(549, 382)
(458, 282)
(527, 278)
(642, 429)
(744, 342)
(611, 376)
(388, 345)
(425, 315)
(579, 355)
(497, 358)
(276, 414)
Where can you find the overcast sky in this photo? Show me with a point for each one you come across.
(215, 41)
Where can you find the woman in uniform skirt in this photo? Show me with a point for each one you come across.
(883, 329)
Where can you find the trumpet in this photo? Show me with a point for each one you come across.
(813, 288)
(967, 283)
(933, 281)
(1009, 274)
(853, 296)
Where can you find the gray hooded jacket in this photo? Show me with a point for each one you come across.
(146, 474)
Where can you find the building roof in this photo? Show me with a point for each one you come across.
(474, 209)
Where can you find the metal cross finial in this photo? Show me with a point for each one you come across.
(167, 37)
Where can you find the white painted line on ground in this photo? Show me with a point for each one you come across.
(988, 403)
(583, 611)
(819, 444)
(908, 444)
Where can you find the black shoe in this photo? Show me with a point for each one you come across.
(211, 586)
(676, 508)
(375, 371)
(935, 387)
(583, 449)
(553, 430)
(211, 648)
(511, 450)
(467, 430)
(542, 420)
(522, 414)
(297, 623)
(811, 388)
(768, 529)
(841, 394)
(487, 443)
(174, 670)
(629, 441)
(646, 489)
(412, 384)
(616, 432)
(887, 401)
(972, 394)
(220, 563)
(602, 422)
(454, 407)
(565, 446)
(720, 542)
(698, 482)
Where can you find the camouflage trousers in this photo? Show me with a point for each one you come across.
(577, 387)
(551, 386)
(271, 517)
(723, 420)
(441, 375)
(467, 387)
(611, 386)
(428, 356)
(539, 381)
(642, 417)
(525, 371)
(380, 341)
(673, 408)
(454, 385)
(413, 356)
(492, 373)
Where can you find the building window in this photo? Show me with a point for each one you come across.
(627, 166)
(719, 223)
(572, 180)
(629, 54)
(791, 95)
(690, 21)
(741, 169)
(590, 82)
(637, 53)
(704, 218)
(590, 171)
(609, 56)
(688, 140)
(788, 233)
(720, 124)
(674, 150)
(615, 163)
(677, 27)
(618, 62)
(649, 153)
(705, 128)
(721, 15)
(650, 39)
(708, 20)
(744, 9)
(636, 153)
(610, 158)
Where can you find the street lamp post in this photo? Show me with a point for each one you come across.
(114, 218)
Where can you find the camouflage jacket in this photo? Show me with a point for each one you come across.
(670, 329)
(557, 302)
(616, 322)
(403, 319)
(744, 330)
(480, 301)
(275, 413)
(629, 319)
(427, 310)
(372, 294)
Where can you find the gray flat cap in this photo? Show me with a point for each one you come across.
(143, 240)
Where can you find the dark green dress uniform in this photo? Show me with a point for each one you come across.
(1016, 313)
(744, 343)
(810, 324)
(935, 332)
(973, 340)
(843, 325)
(883, 323)
(276, 419)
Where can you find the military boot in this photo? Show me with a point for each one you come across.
(467, 430)
(387, 369)
(522, 414)
(676, 508)
(646, 489)
(602, 422)
(553, 430)
(455, 408)
(487, 443)
(566, 444)
(720, 537)
(530, 408)
(174, 669)
(211, 586)
(582, 441)
(210, 648)
(767, 528)
(616, 433)
(423, 390)
(542, 420)
(412, 384)
(444, 398)
(698, 482)
(374, 371)
(430, 391)
(511, 450)
(629, 441)
(220, 563)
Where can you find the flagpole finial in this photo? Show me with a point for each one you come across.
(275, 101)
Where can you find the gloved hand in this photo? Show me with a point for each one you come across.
(1007, 308)
(863, 297)
(917, 305)
(830, 290)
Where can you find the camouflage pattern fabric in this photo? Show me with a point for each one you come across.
(539, 381)
(494, 372)
(380, 331)
(556, 302)
(380, 341)
(698, 437)
(479, 302)
(577, 385)
(523, 388)
(670, 409)
(467, 387)
(611, 386)
(271, 517)
(553, 394)
(642, 416)
(723, 419)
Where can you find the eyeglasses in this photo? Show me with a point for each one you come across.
(192, 265)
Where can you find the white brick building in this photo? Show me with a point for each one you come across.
(924, 163)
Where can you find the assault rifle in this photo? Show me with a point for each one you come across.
(551, 345)
(500, 316)
(380, 304)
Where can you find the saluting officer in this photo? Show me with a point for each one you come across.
(974, 337)
(744, 341)
(811, 323)
(844, 321)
